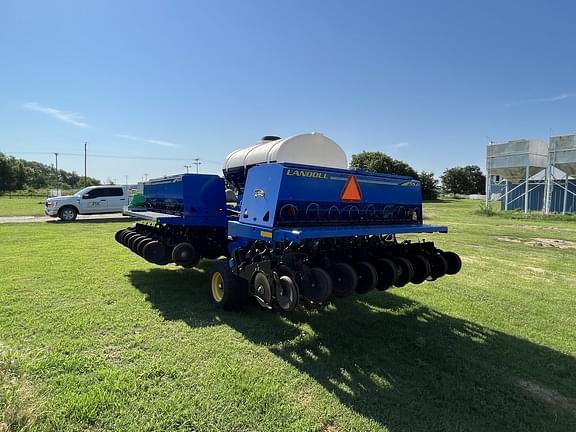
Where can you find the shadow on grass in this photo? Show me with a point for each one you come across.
(404, 365)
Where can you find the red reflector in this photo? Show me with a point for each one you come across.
(351, 191)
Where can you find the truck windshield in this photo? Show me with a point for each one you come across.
(81, 192)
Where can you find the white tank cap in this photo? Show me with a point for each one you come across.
(309, 149)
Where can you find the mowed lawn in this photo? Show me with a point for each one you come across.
(93, 338)
(21, 206)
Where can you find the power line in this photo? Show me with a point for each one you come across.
(110, 156)
(197, 163)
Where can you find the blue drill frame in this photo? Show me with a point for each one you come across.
(396, 199)
(190, 200)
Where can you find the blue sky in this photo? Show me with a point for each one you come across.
(427, 82)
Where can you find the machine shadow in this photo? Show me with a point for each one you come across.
(396, 361)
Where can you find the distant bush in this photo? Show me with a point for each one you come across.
(485, 209)
(517, 214)
(520, 215)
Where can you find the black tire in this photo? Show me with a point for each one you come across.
(344, 279)
(422, 268)
(262, 289)
(228, 291)
(439, 266)
(387, 273)
(454, 262)
(367, 277)
(316, 285)
(124, 234)
(142, 245)
(287, 295)
(127, 237)
(185, 255)
(155, 252)
(405, 271)
(68, 213)
(137, 243)
(118, 235)
(284, 270)
(133, 240)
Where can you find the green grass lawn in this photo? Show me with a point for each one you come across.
(93, 338)
(21, 206)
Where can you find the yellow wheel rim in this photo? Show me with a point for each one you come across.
(217, 286)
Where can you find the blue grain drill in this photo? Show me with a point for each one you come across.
(292, 233)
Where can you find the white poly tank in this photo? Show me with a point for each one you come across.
(309, 149)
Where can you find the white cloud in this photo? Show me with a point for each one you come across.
(147, 140)
(398, 145)
(68, 117)
(556, 98)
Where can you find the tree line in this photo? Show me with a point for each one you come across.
(466, 180)
(20, 174)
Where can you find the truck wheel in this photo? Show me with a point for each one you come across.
(68, 213)
(229, 292)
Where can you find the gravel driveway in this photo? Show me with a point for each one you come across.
(24, 219)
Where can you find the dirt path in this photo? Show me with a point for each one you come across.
(92, 218)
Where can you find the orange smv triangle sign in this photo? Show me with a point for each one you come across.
(351, 191)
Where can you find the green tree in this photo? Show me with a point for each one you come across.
(6, 173)
(430, 186)
(463, 180)
(18, 174)
(382, 163)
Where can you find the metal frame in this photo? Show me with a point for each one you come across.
(551, 180)
(299, 234)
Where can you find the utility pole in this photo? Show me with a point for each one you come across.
(57, 177)
(197, 163)
(187, 168)
(85, 144)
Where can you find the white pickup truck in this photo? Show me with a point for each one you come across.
(90, 200)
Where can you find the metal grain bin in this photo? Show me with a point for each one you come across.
(511, 159)
(563, 153)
